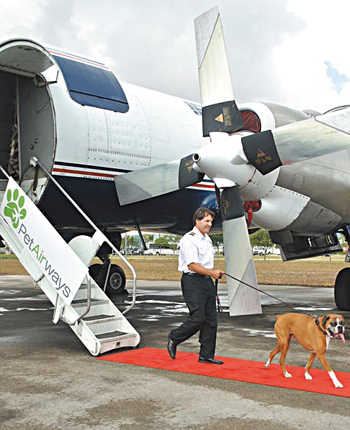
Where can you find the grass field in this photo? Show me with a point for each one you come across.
(311, 272)
(320, 271)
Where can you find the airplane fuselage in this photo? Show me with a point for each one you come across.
(85, 144)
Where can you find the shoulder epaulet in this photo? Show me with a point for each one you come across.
(192, 234)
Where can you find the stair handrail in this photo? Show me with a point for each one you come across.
(34, 161)
(4, 172)
(88, 305)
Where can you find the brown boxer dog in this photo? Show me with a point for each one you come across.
(313, 334)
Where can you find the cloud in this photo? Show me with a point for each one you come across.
(279, 50)
(300, 61)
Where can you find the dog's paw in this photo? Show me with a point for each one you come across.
(308, 377)
(288, 375)
(336, 383)
(267, 364)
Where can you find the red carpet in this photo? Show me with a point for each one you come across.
(235, 369)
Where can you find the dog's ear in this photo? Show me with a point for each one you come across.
(324, 320)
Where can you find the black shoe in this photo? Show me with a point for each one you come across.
(171, 348)
(209, 360)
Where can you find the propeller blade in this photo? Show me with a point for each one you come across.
(154, 181)
(302, 140)
(238, 256)
(219, 109)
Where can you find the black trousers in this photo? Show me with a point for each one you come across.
(200, 297)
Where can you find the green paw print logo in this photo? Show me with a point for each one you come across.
(14, 207)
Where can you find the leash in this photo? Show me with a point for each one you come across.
(270, 295)
(220, 309)
(260, 291)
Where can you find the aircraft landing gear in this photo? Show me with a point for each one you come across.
(116, 278)
(342, 290)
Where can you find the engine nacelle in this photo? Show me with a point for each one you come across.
(259, 116)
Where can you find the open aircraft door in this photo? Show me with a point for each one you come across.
(43, 92)
(27, 115)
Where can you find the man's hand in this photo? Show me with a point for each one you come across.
(217, 274)
(214, 273)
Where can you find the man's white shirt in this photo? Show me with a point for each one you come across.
(195, 248)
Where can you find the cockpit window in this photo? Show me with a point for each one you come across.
(92, 84)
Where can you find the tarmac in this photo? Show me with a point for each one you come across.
(49, 381)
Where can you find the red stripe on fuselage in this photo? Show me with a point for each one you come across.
(108, 175)
(82, 172)
(204, 186)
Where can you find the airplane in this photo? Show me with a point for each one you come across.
(135, 158)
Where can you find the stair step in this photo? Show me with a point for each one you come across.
(82, 302)
(112, 335)
(97, 317)
(105, 325)
(82, 293)
(98, 307)
(94, 302)
(119, 340)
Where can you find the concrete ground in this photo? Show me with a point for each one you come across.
(49, 381)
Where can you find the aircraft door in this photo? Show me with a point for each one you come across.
(35, 119)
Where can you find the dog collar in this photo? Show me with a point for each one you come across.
(318, 325)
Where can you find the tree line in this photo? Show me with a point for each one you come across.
(260, 238)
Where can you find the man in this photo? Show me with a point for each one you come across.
(196, 261)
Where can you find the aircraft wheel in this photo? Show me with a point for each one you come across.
(116, 280)
(342, 290)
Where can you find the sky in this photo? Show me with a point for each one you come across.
(292, 52)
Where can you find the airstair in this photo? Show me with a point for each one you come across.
(61, 270)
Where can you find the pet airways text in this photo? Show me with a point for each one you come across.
(44, 263)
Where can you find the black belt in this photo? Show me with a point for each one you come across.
(197, 274)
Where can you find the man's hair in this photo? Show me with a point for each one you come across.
(201, 213)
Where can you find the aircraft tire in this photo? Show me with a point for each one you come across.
(342, 290)
(116, 281)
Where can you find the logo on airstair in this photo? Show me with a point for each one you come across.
(14, 207)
